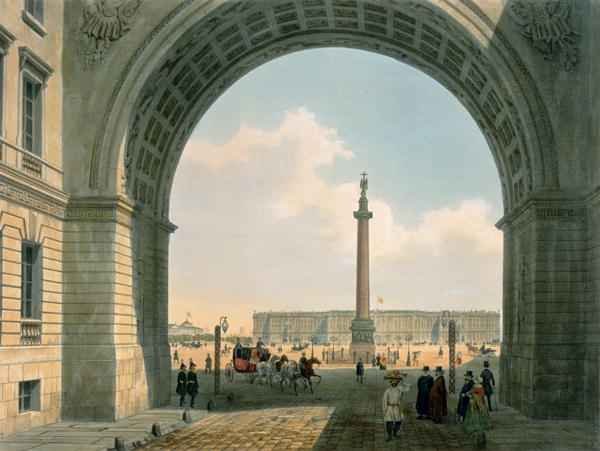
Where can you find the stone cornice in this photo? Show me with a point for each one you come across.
(167, 226)
(28, 57)
(32, 193)
(6, 38)
(101, 209)
(549, 205)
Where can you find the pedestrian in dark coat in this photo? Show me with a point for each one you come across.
(360, 371)
(424, 384)
(181, 389)
(192, 384)
(438, 397)
(463, 396)
(488, 383)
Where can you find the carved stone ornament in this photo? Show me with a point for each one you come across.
(547, 24)
(103, 23)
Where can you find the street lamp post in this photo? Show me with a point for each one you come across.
(333, 340)
(408, 338)
(222, 326)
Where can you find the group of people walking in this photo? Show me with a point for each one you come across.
(187, 384)
(472, 410)
(432, 397)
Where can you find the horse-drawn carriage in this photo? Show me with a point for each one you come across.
(260, 366)
(246, 360)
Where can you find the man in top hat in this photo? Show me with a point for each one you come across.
(181, 389)
(424, 384)
(438, 397)
(488, 383)
(392, 403)
(463, 396)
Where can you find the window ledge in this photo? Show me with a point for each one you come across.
(6, 39)
(34, 23)
(30, 412)
(31, 320)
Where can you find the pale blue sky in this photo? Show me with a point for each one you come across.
(431, 173)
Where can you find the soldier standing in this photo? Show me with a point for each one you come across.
(181, 389)
(192, 384)
(488, 383)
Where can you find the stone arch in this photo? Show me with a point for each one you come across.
(198, 51)
(202, 47)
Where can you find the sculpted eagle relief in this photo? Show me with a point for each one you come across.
(104, 22)
(547, 24)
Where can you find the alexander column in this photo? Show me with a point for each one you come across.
(362, 327)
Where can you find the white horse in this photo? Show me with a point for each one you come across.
(289, 375)
(263, 373)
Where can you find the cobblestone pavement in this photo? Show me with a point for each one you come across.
(95, 436)
(344, 415)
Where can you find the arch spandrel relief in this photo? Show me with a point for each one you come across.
(547, 25)
(102, 23)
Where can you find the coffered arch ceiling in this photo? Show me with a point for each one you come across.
(456, 46)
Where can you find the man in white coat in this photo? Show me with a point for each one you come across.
(393, 405)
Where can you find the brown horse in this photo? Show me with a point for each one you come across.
(307, 372)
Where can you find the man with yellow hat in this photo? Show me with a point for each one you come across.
(393, 405)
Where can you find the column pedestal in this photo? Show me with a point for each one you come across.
(363, 345)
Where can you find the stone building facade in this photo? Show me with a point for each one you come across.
(32, 213)
(99, 99)
(391, 326)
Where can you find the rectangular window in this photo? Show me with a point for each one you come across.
(32, 115)
(31, 281)
(29, 396)
(36, 9)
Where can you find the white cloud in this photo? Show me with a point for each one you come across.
(262, 226)
(289, 159)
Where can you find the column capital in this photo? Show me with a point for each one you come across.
(361, 214)
(100, 209)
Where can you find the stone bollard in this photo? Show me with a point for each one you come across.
(156, 430)
(187, 416)
(120, 444)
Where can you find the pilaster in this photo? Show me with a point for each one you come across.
(544, 305)
(103, 366)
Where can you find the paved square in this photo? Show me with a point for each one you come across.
(344, 415)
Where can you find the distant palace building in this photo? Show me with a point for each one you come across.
(391, 326)
(185, 328)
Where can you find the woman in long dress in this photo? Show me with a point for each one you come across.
(477, 419)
